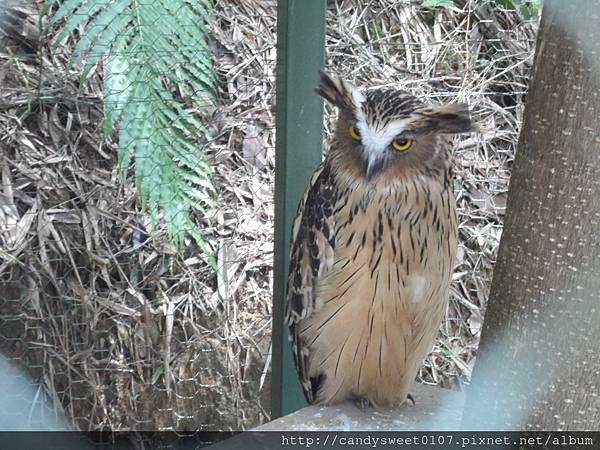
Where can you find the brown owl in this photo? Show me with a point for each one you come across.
(373, 246)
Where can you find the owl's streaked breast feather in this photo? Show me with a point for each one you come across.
(357, 252)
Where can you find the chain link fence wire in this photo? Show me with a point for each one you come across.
(122, 332)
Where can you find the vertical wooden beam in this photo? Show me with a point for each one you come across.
(300, 55)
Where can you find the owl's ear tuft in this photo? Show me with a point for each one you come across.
(338, 92)
(447, 119)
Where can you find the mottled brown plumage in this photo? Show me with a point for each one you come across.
(373, 246)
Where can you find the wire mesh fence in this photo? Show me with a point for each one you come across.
(469, 51)
(127, 333)
(123, 332)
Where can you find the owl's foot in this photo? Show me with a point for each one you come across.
(364, 403)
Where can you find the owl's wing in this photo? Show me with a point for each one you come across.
(311, 256)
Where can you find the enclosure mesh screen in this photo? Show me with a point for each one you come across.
(474, 52)
(125, 333)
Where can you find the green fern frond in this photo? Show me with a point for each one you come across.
(145, 46)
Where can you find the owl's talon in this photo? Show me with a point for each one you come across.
(364, 403)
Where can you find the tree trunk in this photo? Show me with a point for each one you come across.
(539, 359)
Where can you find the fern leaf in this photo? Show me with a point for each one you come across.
(63, 11)
(143, 44)
(116, 89)
(111, 17)
(112, 33)
(79, 17)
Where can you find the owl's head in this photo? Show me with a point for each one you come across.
(389, 130)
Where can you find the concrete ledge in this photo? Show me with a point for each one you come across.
(434, 409)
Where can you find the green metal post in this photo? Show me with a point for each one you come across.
(300, 55)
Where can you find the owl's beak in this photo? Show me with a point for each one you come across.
(374, 165)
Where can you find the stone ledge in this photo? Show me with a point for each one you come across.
(435, 409)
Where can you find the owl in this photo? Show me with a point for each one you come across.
(373, 246)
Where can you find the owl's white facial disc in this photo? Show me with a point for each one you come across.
(375, 143)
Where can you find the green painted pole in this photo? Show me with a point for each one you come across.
(299, 148)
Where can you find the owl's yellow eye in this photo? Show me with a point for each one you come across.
(354, 134)
(402, 144)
